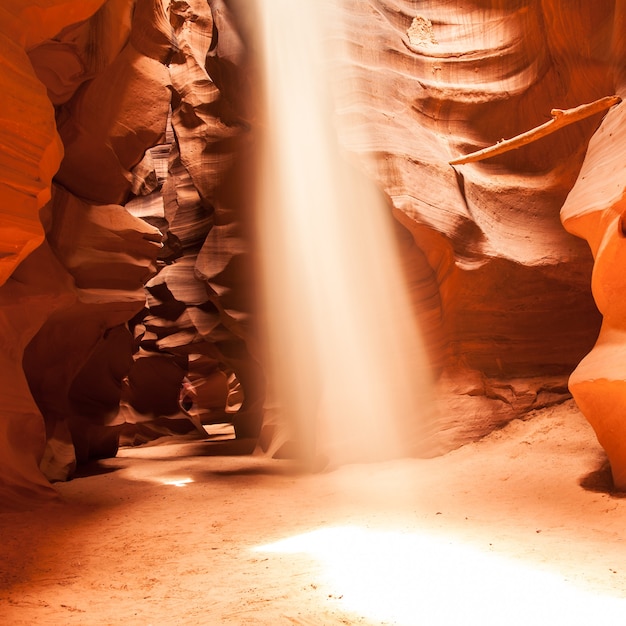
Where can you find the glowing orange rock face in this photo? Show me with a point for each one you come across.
(594, 210)
(30, 153)
(30, 149)
(40, 294)
(499, 276)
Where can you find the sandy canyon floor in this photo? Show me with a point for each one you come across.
(519, 528)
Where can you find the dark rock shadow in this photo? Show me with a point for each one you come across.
(601, 481)
(93, 468)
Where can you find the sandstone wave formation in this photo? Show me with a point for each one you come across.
(128, 292)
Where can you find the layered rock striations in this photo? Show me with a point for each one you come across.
(501, 275)
(98, 255)
(128, 283)
(31, 153)
(31, 150)
(148, 141)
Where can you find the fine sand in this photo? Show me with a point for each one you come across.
(519, 528)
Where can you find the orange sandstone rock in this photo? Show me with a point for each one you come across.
(30, 149)
(440, 80)
(38, 287)
(594, 210)
(77, 360)
(30, 153)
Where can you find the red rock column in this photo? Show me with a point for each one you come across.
(595, 210)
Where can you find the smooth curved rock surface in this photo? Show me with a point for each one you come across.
(453, 78)
(594, 210)
(31, 152)
(102, 254)
(30, 147)
(38, 287)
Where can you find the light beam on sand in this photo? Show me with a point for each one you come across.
(178, 482)
(406, 578)
(346, 360)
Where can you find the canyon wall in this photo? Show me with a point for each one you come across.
(500, 276)
(128, 284)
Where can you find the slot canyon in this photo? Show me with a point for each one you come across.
(274, 351)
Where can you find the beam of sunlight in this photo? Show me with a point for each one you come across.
(346, 359)
(410, 578)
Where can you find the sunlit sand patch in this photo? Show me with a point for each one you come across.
(409, 578)
(178, 482)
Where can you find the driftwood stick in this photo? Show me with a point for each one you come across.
(560, 118)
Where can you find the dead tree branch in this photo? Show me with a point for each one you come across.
(560, 118)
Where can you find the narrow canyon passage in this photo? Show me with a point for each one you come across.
(171, 168)
(500, 531)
